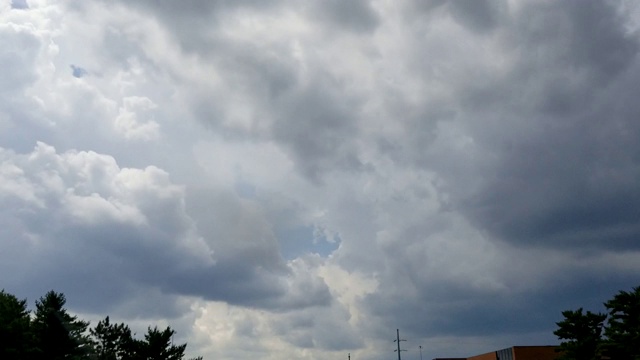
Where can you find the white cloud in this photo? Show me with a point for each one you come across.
(72, 201)
(133, 120)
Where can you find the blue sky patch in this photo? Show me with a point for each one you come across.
(295, 242)
(77, 71)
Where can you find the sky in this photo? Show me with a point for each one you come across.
(280, 179)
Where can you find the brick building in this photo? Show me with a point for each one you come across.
(516, 353)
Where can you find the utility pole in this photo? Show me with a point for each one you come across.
(420, 346)
(397, 340)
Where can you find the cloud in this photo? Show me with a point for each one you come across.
(124, 223)
(281, 179)
(552, 172)
(478, 17)
(129, 123)
(357, 16)
(81, 215)
(19, 4)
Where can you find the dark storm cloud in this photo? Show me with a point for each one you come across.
(562, 155)
(316, 126)
(354, 15)
(554, 164)
(480, 16)
(444, 308)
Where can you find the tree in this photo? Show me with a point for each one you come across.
(623, 329)
(583, 333)
(112, 341)
(53, 334)
(158, 345)
(16, 340)
(59, 335)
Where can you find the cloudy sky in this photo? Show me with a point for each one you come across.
(281, 179)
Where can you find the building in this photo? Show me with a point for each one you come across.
(516, 353)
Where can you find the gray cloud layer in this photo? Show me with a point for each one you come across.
(471, 168)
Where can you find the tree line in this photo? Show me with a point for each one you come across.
(51, 333)
(614, 334)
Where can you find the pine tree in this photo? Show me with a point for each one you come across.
(112, 341)
(158, 345)
(623, 329)
(59, 335)
(16, 340)
(583, 335)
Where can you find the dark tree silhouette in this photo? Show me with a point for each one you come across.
(583, 335)
(58, 335)
(623, 328)
(53, 334)
(158, 345)
(16, 340)
(112, 341)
